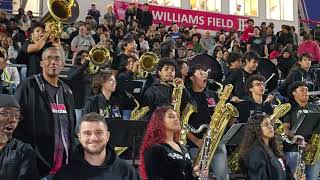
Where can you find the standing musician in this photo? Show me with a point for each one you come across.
(260, 155)
(238, 77)
(161, 154)
(32, 49)
(254, 102)
(106, 102)
(160, 92)
(128, 46)
(205, 101)
(298, 95)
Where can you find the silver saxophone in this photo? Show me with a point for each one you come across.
(204, 151)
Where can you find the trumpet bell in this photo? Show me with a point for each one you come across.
(62, 11)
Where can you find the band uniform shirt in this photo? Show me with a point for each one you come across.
(163, 162)
(205, 102)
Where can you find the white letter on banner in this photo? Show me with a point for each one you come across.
(201, 20)
(229, 23)
(158, 15)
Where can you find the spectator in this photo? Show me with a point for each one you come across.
(109, 17)
(207, 41)
(285, 37)
(197, 46)
(285, 63)
(82, 41)
(146, 17)
(248, 31)
(94, 13)
(17, 159)
(256, 43)
(311, 47)
(9, 76)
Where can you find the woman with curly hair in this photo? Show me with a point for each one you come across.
(161, 156)
(260, 155)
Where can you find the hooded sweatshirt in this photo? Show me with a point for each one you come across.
(113, 168)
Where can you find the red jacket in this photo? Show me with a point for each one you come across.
(247, 34)
(310, 47)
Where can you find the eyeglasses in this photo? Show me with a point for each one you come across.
(8, 115)
(53, 58)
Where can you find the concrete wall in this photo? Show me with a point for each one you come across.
(101, 6)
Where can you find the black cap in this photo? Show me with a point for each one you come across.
(8, 101)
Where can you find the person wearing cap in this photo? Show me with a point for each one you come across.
(94, 13)
(17, 159)
(48, 110)
(9, 76)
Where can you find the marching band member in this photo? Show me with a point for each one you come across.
(161, 155)
(205, 101)
(238, 77)
(255, 86)
(298, 95)
(260, 155)
(160, 92)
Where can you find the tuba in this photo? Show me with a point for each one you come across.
(219, 120)
(147, 64)
(99, 57)
(60, 12)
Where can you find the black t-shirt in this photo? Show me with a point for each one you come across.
(205, 103)
(257, 44)
(60, 118)
(120, 60)
(32, 60)
(163, 162)
(248, 107)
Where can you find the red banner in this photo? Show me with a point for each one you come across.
(204, 20)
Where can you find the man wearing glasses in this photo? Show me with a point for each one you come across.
(17, 159)
(47, 107)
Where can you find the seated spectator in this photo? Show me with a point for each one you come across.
(17, 159)
(311, 47)
(94, 158)
(10, 78)
(82, 41)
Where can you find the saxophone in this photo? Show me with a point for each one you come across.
(312, 153)
(279, 111)
(136, 114)
(185, 115)
(300, 170)
(219, 120)
(177, 97)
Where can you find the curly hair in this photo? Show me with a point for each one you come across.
(252, 137)
(155, 134)
(98, 80)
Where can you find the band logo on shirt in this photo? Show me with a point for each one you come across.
(58, 108)
(211, 102)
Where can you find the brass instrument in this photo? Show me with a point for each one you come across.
(99, 57)
(60, 11)
(147, 64)
(177, 97)
(185, 115)
(204, 151)
(219, 120)
(312, 153)
(300, 170)
(136, 114)
(279, 111)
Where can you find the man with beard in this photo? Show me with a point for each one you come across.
(17, 159)
(47, 107)
(94, 158)
(238, 77)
